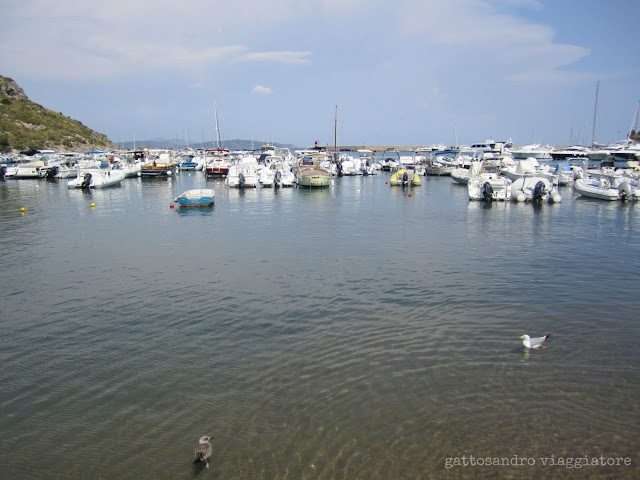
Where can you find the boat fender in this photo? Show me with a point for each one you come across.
(539, 190)
(86, 182)
(487, 192)
(241, 179)
(520, 196)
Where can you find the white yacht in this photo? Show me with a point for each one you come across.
(534, 150)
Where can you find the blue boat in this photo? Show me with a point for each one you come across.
(201, 197)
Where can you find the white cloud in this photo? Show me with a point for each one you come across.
(281, 57)
(120, 37)
(260, 90)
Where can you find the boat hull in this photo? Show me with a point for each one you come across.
(404, 178)
(313, 178)
(157, 170)
(489, 187)
(196, 198)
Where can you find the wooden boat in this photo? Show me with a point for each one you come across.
(160, 163)
(308, 171)
(312, 176)
(200, 197)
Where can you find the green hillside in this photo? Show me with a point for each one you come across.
(25, 125)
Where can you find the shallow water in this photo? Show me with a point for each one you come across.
(350, 332)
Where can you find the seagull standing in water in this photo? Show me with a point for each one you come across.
(203, 450)
(533, 342)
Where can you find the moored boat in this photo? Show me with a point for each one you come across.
(308, 170)
(533, 188)
(606, 187)
(405, 177)
(489, 187)
(312, 176)
(243, 174)
(200, 197)
(160, 163)
(96, 178)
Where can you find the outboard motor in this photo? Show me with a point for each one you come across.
(241, 180)
(3, 170)
(86, 182)
(339, 167)
(405, 178)
(625, 192)
(539, 191)
(51, 172)
(487, 192)
(277, 180)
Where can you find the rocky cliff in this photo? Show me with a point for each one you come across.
(25, 125)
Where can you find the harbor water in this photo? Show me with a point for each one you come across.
(352, 332)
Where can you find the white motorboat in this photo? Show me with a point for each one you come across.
(462, 175)
(536, 151)
(606, 187)
(528, 167)
(276, 174)
(96, 178)
(346, 165)
(217, 162)
(489, 186)
(532, 188)
(565, 173)
(365, 163)
(569, 152)
(244, 174)
(27, 170)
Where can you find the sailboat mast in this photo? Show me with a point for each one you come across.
(634, 124)
(595, 114)
(335, 131)
(215, 112)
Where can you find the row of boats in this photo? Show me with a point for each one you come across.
(529, 180)
(490, 171)
(270, 167)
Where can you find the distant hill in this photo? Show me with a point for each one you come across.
(25, 125)
(180, 144)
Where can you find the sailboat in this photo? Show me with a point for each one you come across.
(217, 160)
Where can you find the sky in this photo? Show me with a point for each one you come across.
(398, 72)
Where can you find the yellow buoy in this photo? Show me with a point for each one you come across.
(93, 205)
(22, 209)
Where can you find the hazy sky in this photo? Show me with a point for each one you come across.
(400, 71)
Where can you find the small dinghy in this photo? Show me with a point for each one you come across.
(201, 197)
(405, 177)
(534, 189)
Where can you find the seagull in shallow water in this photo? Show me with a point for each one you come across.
(203, 450)
(533, 342)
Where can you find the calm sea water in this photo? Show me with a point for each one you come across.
(347, 333)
